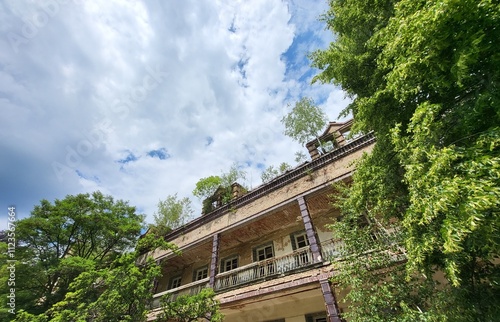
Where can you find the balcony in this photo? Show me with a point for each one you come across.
(333, 249)
(271, 268)
(258, 271)
(294, 262)
(188, 289)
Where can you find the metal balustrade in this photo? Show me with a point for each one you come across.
(188, 289)
(264, 269)
(334, 248)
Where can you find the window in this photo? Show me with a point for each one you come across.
(175, 282)
(316, 317)
(299, 240)
(263, 252)
(229, 263)
(200, 273)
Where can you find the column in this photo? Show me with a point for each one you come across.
(215, 259)
(311, 235)
(330, 302)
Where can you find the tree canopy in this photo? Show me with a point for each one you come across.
(172, 213)
(62, 239)
(271, 172)
(305, 121)
(206, 187)
(424, 77)
(79, 259)
(191, 308)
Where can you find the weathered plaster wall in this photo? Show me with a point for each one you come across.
(281, 243)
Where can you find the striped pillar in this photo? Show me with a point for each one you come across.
(215, 259)
(330, 302)
(311, 235)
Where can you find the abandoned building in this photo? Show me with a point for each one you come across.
(266, 252)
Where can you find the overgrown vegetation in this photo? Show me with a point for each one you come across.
(424, 77)
(75, 261)
(305, 121)
(271, 172)
(172, 213)
(206, 188)
(191, 308)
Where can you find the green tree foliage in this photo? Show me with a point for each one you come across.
(271, 172)
(4, 277)
(305, 121)
(371, 268)
(424, 77)
(232, 175)
(300, 157)
(172, 213)
(97, 279)
(206, 187)
(191, 308)
(61, 240)
(121, 291)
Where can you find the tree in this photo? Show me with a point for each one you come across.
(191, 308)
(270, 172)
(98, 279)
(121, 291)
(305, 121)
(172, 213)
(61, 240)
(232, 175)
(424, 77)
(300, 157)
(206, 187)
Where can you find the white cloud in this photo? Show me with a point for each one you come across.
(204, 82)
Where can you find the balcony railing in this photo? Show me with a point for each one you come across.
(264, 269)
(188, 289)
(274, 267)
(334, 248)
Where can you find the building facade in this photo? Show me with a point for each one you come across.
(267, 252)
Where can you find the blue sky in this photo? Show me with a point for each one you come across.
(140, 99)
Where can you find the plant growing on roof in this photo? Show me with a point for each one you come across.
(305, 121)
(207, 187)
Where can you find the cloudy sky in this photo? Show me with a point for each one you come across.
(140, 99)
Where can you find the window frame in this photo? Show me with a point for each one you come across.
(263, 247)
(222, 267)
(293, 239)
(172, 280)
(198, 270)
